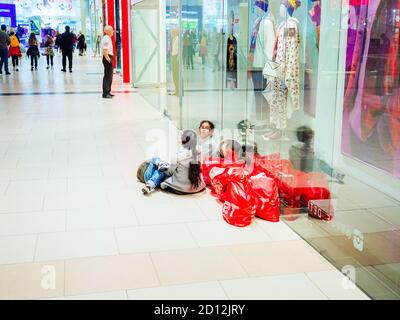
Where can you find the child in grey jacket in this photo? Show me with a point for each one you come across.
(183, 175)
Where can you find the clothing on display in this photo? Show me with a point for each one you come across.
(288, 84)
(260, 53)
(231, 62)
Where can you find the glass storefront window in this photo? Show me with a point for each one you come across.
(314, 84)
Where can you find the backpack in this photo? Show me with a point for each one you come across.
(14, 41)
(141, 171)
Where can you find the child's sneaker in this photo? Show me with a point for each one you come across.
(146, 190)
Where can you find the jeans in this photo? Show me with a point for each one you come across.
(153, 177)
(34, 61)
(4, 60)
(15, 61)
(49, 59)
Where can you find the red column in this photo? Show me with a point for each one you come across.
(111, 22)
(125, 40)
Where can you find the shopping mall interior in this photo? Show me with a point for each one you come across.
(310, 92)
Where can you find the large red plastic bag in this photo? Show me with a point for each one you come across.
(219, 181)
(271, 165)
(239, 207)
(209, 163)
(266, 196)
(297, 188)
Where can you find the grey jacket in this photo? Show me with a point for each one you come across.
(179, 175)
(4, 40)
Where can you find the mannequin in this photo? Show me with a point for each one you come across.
(261, 51)
(286, 87)
(231, 62)
(231, 58)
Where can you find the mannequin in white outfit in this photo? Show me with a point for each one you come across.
(287, 56)
(261, 51)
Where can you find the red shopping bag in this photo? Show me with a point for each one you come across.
(271, 164)
(239, 207)
(297, 188)
(265, 194)
(209, 163)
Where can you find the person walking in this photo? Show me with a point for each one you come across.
(203, 52)
(67, 48)
(14, 51)
(33, 51)
(97, 50)
(4, 42)
(108, 55)
(49, 51)
(57, 41)
(81, 43)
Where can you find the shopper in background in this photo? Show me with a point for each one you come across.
(203, 52)
(33, 51)
(49, 51)
(4, 42)
(206, 144)
(57, 41)
(302, 155)
(67, 48)
(97, 50)
(81, 43)
(108, 55)
(14, 51)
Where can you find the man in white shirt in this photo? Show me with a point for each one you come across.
(108, 55)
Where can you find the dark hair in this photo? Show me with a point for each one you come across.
(3, 27)
(189, 141)
(212, 126)
(304, 134)
(32, 39)
(67, 28)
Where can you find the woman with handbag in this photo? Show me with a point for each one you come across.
(33, 50)
(49, 51)
(14, 51)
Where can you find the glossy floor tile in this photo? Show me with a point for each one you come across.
(109, 273)
(196, 291)
(32, 280)
(196, 265)
(288, 287)
(74, 244)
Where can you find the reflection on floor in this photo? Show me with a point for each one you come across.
(363, 236)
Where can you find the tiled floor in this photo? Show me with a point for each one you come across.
(74, 225)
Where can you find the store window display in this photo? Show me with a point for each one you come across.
(231, 59)
(261, 51)
(284, 90)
